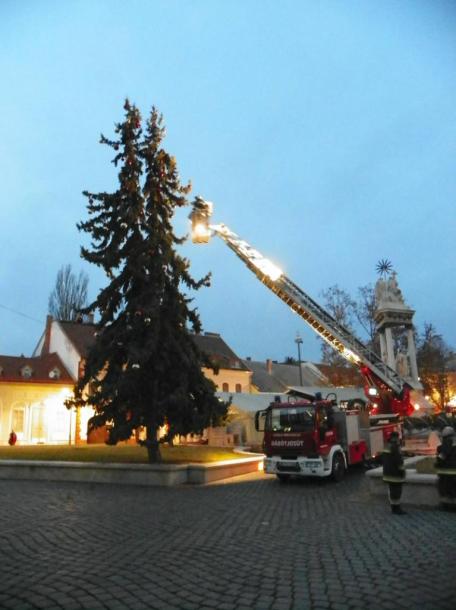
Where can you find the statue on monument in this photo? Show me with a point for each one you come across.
(388, 291)
(402, 364)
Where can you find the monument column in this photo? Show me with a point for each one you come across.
(390, 359)
(412, 354)
(383, 350)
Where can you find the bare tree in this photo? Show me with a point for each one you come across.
(69, 295)
(357, 315)
(364, 309)
(434, 357)
(342, 308)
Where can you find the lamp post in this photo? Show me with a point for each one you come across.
(298, 342)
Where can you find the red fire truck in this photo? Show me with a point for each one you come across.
(315, 437)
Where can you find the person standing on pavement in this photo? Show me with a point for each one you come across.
(394, 472)
(445, 466)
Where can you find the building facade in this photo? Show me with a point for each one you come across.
(32, 396)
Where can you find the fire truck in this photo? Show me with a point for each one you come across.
(350, 438)
(315, 437)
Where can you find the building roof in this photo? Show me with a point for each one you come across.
(219, 352)
(269, 376)
(39, 369)
(342, 394)
(342, 375)
(250, 403)
(81, 335)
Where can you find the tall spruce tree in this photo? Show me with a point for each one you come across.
(144, 368)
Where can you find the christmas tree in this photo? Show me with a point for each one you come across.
(144, 369)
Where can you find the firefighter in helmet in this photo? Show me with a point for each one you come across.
(446, 468)
(394, 472)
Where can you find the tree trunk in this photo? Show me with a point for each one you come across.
(153, 446)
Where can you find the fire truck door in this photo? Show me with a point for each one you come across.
(326, 434)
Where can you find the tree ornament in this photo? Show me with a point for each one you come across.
(123, 225)
(147, 321)
(136, 366)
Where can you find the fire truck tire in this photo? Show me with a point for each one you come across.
(338, 467)
(283, 478)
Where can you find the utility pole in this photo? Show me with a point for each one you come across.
(298, 342)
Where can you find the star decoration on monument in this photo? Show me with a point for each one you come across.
(384, 266)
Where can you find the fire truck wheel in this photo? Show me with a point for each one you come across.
(338, 467)
(283, 478)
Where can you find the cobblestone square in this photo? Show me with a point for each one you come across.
(248, 542)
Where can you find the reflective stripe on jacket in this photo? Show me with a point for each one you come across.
(446, 471)
(393, 464)
(445, 463)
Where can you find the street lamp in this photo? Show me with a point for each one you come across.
(298, 342)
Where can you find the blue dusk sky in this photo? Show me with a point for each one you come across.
(324, 133)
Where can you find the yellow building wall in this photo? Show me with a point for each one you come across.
(36, 412)
(235, 381)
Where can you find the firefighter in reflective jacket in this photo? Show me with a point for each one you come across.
(446, 468)
(394, 472)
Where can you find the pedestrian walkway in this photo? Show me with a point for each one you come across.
(243, 543)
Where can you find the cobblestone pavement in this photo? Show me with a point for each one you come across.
(249, 542)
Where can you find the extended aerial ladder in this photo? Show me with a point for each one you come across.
(384, 387)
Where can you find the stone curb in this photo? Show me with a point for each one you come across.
(166, 475)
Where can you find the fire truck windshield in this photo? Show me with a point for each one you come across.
(291, 419)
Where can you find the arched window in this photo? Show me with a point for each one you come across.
(225, 387)
(18, 422)
(238, 387)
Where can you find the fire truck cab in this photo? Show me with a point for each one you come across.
(315, 437)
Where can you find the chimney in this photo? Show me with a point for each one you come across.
(47, 336)
(269, 366)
